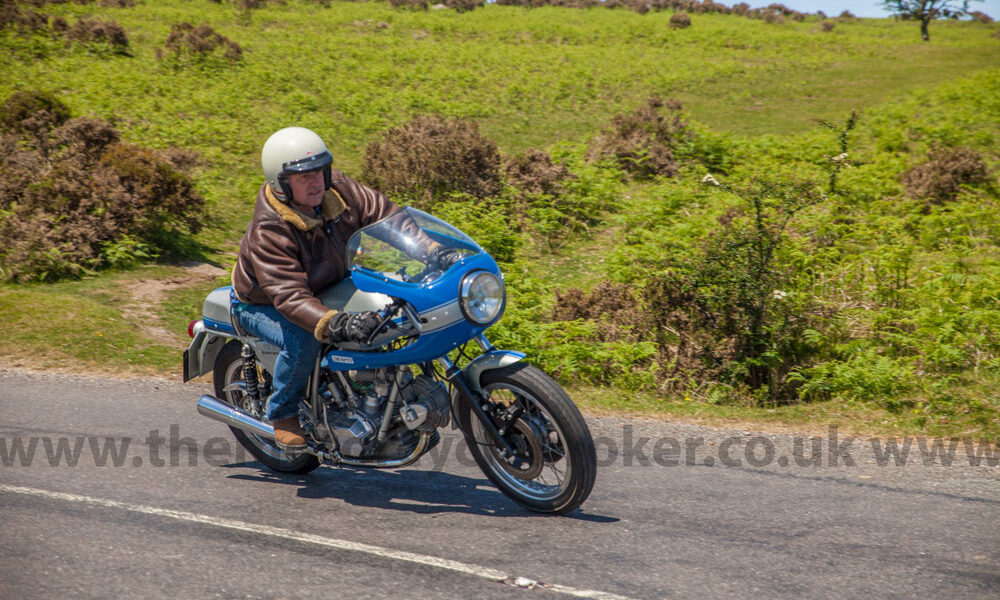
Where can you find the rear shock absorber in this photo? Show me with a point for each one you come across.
(250, 373)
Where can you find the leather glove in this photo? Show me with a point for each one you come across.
(352, 327)
(445, 257)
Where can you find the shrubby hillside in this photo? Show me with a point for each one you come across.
(729, 211)
(858, 262)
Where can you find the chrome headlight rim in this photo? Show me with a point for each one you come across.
(470, 300)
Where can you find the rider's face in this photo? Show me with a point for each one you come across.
(307, 189)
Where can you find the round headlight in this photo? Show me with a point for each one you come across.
(481, 297)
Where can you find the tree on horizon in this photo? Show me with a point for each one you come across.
(926, 11)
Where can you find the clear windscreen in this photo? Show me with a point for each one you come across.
(407, 245)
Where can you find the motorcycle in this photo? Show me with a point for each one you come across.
(380, 403)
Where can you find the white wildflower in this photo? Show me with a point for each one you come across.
(709, 179)
(779, 295)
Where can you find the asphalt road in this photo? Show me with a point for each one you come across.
(678, 511)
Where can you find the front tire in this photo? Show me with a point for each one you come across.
(556, 462)
(229, 369)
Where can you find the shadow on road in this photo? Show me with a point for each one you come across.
(422, 492)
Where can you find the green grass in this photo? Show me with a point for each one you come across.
(80, 326)
(813, 417)
(530, 78)
(856, 418)
(785, 103)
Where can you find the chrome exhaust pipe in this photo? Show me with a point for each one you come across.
(406, 461)
(213, 408)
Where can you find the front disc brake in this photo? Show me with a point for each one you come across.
(528, 458)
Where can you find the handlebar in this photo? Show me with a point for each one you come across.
(387, 312)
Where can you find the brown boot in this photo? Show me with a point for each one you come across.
(288, 434)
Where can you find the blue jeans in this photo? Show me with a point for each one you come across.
(295, 362)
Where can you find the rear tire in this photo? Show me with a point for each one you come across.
(556, 462)
(229, 369)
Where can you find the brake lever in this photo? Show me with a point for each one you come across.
(385, 321)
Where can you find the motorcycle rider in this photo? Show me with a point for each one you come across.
(294, 248)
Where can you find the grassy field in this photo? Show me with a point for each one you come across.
(530, 78)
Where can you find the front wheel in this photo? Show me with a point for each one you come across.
(554, 464)
(229, 369)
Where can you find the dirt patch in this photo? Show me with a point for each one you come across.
(147, 294)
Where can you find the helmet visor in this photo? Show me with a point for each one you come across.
(309, 163)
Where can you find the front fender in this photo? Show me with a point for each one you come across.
(494, 359)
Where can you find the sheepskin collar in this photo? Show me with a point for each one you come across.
(333, 205)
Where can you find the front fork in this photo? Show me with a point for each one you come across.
(469, 391)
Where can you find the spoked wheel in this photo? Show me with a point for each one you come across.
(554, 463)
(229, 369)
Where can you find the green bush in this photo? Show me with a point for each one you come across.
(726, 310)
(864, 376)
(488, 224)
(579, 201)
(733, 307)
(578, 350)
(127, 252)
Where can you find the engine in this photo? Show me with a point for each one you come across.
(379, 414)
(426, 404)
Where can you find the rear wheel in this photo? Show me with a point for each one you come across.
(228, 370)
(554, 463)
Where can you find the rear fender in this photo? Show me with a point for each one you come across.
(199, 358)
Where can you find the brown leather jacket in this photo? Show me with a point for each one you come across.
(286, 257)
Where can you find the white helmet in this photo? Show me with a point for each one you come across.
(293, 150)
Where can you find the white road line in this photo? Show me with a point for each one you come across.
(288, 534)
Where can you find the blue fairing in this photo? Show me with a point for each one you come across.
(436, 302)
